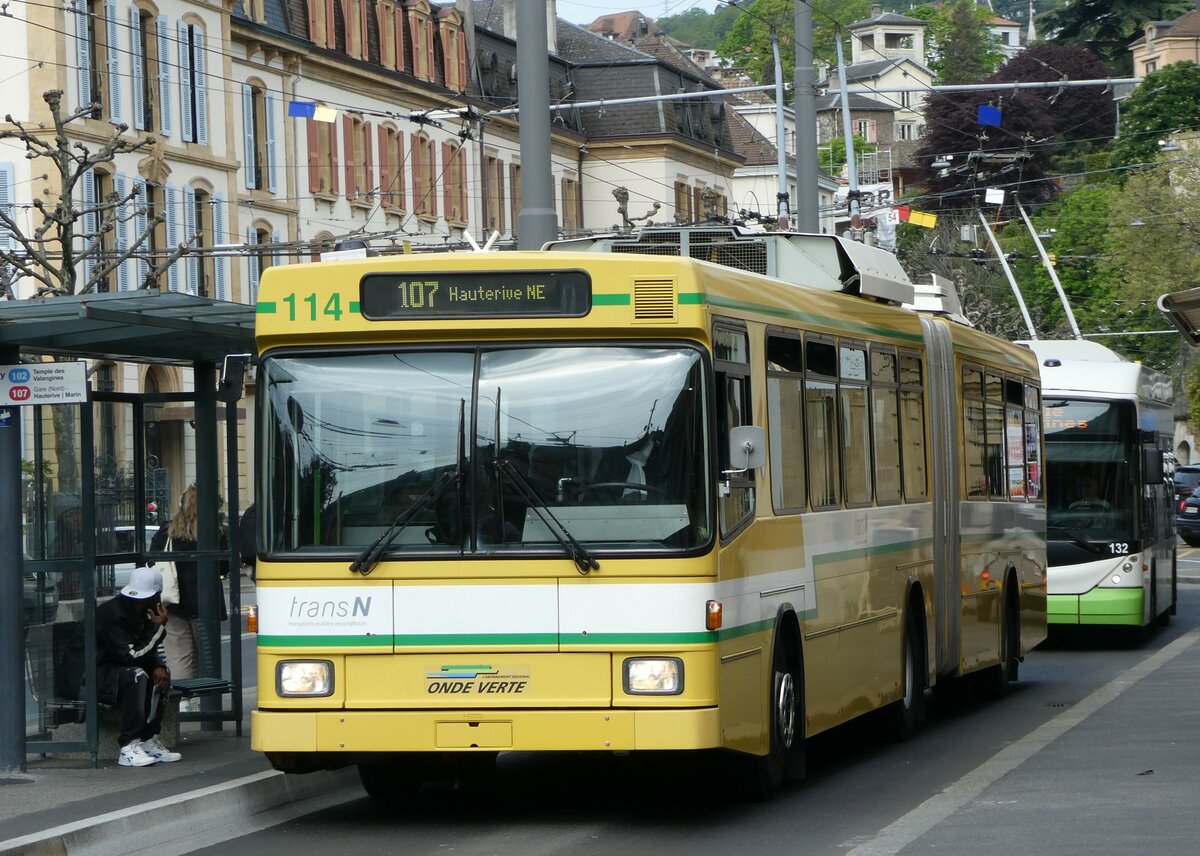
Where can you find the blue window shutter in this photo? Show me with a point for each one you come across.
(135, 54)
(141, 222)
(170, 197)
(201, 84)
(114, 64)
(90, 221)
(186, 106)
(191, 262)
(220, 264)
(252, 267)
(276, 258)
(121, 187)
(269, 104)
(83, 52)
(164, 75)
(248, 134)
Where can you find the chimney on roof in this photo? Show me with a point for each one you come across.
(877, 10)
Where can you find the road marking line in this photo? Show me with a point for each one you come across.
(905, 830)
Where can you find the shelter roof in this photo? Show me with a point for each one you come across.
(136, 326)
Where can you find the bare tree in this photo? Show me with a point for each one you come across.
(52, 249)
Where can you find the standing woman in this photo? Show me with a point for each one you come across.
(182, 643)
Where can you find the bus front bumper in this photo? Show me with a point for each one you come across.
(1098, 606)
(458, 731)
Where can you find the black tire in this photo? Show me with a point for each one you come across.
(998, 679)
(393, 783)
(907, 711)
(1191, 540)
(765, 774)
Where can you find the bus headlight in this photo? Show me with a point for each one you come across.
(654, 676)
(303, 678)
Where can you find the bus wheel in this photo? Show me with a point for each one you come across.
(909, 709)
(393, 782)
(998, 678)
(767, 773)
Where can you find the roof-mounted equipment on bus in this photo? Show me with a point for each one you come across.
(817, 261)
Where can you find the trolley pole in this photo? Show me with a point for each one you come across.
(12, 631)
(804, 86)
(536, 221)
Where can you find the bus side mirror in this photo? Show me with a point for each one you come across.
(1152, 466)
(747, 448)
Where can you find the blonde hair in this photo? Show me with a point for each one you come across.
(183, 524)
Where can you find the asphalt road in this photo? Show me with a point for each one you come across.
(1095, 751)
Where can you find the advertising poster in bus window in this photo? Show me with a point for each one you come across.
(1014, 430)
(1033, 430)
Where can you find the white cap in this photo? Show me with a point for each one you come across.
(143, 583)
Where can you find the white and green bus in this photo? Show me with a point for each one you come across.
(1109, 507)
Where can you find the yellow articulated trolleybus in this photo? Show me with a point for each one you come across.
(686, 490)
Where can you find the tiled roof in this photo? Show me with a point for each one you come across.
(283, 16)
(888, 18)
(624, 25)
(748, 142)
(857, 103)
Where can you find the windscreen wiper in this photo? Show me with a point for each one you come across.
(584, 560)
(369, 558)
(1076, 540)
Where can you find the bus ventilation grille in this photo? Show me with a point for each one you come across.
(654, 300)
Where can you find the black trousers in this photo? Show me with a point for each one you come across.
(133, 698)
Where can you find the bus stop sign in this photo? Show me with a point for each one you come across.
(44, 383)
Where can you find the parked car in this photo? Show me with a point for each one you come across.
(1186, 479)
(1187, 520)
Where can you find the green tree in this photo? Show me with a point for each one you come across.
(1167, 100)
(833, 159)
(748, 43)
(1153, 240)
(957, 41)
(699, 28)
(1107, 26)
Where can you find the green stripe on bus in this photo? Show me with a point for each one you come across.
(354, 307)
(331, 641)
(610, 299)
(265, 307)
(408, 639)
(638, 638)
(691, 298)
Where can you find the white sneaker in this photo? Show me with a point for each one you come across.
(155, 749)
(133, 755)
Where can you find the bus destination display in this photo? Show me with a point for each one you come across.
(476, 294)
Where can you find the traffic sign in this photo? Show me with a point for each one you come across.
(44, 383)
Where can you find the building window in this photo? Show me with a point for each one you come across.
(906, 131)
(360, 166)
(420, 27)
(454, 186)
(260, 240)
(258, 130)
(570, 200)
(493, 188)
(198, 232)
(683, 202)
(514, 184)
(149, 44)
(99, 228)
(391, 168)
(91, 47)
(322, 158)
(1151, 66)
(906, 100)
(193, 85)
(450, 53)
(424, 177)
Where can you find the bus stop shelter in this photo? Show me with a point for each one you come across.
(1182, 308)
(214, 339)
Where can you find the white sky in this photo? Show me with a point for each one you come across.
(586, 11)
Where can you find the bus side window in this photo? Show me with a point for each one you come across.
(731, 358)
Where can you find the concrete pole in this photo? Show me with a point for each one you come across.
(208, 656)
(12, 629)
(804, 84)
(536, 221)
(781, 196)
